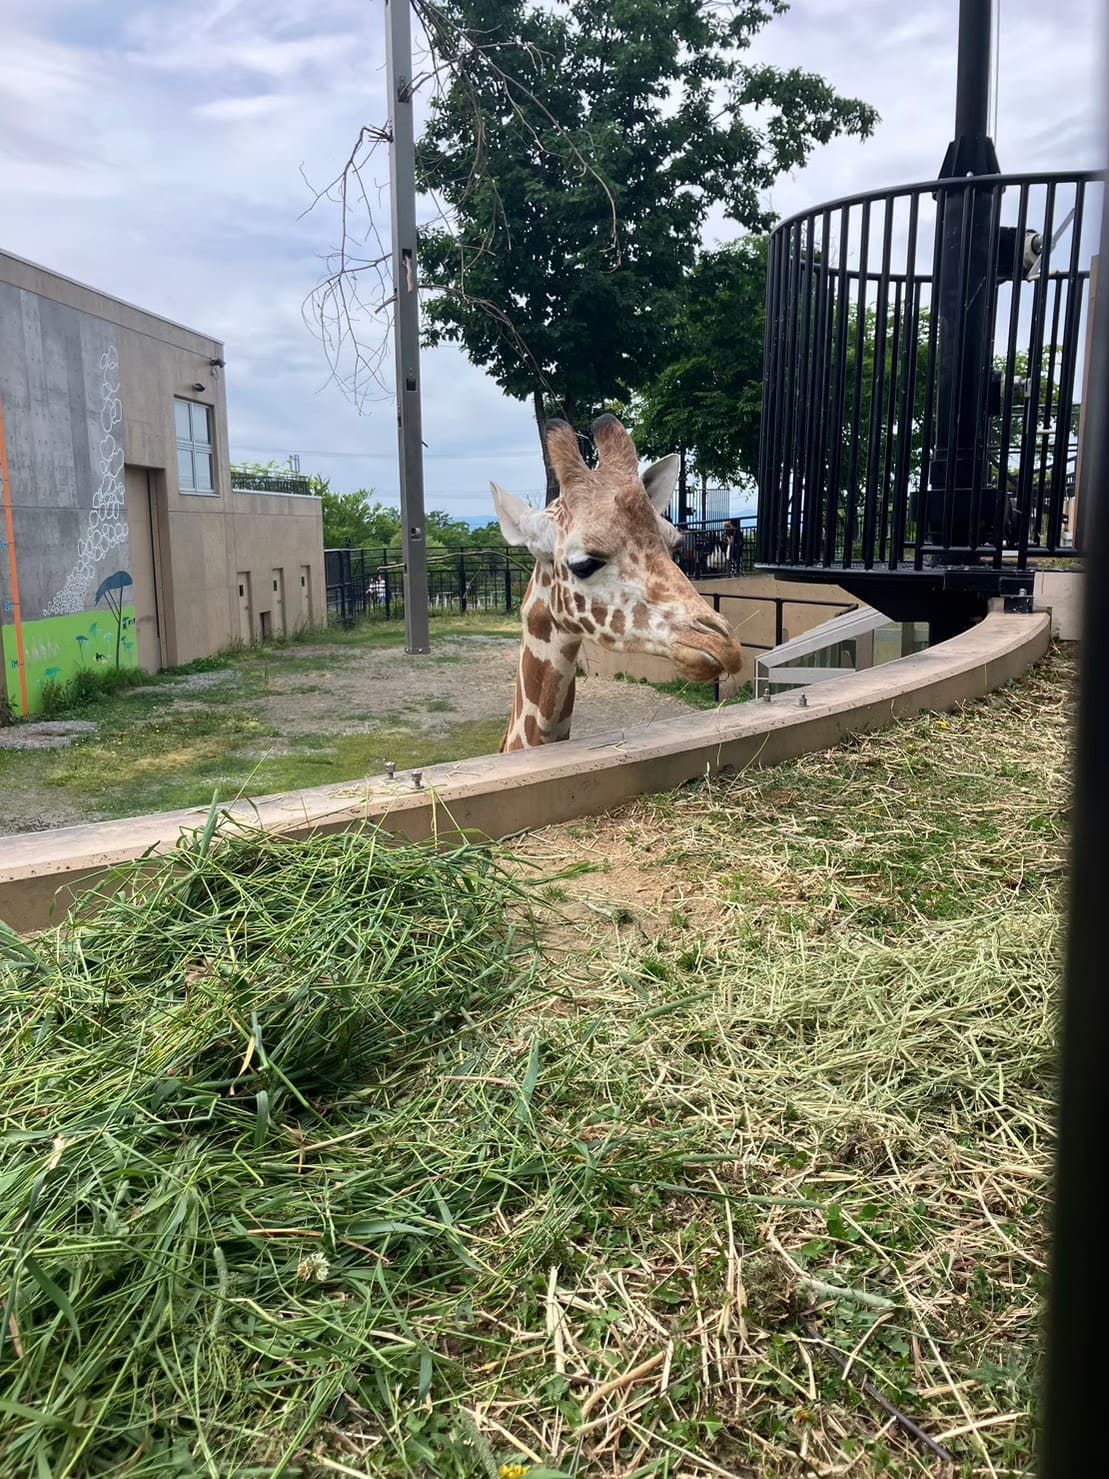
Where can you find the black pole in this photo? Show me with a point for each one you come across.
(965, 293)
(1077, 1351)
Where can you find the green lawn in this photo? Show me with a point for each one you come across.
(173, 747)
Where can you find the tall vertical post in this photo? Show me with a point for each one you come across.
(406, 320)
(1077, 1365)
(965, 296)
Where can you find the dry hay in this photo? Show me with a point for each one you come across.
(358, 1183)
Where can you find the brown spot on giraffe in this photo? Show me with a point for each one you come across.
(616, 621)
(599, 610)
(540, 624)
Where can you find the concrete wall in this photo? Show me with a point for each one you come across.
(747, 603)
(87, 390)
(499, 795)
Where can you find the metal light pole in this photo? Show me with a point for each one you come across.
(965, 295)
(406, 320)
(1077, 1366)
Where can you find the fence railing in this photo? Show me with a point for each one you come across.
(264, 482)
(723, 547)
(723, 600)
(370, 582)
(925, 359)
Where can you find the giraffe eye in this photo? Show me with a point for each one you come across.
(587, 566)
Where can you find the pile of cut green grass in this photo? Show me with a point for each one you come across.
(254, 1167)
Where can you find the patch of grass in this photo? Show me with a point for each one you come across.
(177, 760)
(87, 688)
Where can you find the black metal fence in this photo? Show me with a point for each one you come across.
(925, 356)
(264, 482)
(370, 582)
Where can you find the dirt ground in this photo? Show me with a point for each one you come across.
(466, 679)
(301, 714)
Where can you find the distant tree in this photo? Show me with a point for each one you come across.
(577, 150)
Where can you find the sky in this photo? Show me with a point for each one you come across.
(169, 154)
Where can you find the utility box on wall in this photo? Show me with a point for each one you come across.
(122, 541)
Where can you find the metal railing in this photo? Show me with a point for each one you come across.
(925, 355)
(370, 582)
(721, 547)
(779, 603)
(259, 482)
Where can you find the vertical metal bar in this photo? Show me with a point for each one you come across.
(766, 439)
(1035, 360)
(462, 582)
(807, 380)
(906, 417)
(507, 583)
(406, 320)
(959, 337)
(1005, 434)
(929, 432)
(821, 490)
(781, 332)
(893, 379)
(835, 427)
(1056, 290)
(982, 347)
(792, 399)
(857, 392)
(779, 602)
(1065, 403)
(877, 381)
(1077, 1364)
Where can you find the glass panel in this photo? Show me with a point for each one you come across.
(203, 462)
(184, 467)
(201, 425)
(181, 418)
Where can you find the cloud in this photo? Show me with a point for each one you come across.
(163, 153)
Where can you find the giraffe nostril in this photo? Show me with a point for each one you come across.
(712, 625)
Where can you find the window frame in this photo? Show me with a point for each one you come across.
(191, 447)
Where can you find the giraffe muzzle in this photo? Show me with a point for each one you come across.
(706, 647)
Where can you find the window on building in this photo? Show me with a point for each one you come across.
(194, 447)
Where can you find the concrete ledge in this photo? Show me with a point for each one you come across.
(497, 795)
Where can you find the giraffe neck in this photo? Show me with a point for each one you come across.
(544, 703)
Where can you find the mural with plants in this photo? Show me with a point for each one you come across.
(57, 647)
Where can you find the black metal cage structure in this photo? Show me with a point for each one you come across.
(926, 352)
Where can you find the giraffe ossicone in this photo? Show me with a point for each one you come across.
(604, 569)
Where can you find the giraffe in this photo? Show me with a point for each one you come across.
(604, 569)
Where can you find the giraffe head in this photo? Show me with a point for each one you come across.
(604, 556)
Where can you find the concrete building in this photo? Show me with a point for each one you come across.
(121, 537)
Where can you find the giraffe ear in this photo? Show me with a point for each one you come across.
(523, 525)
(660, 480)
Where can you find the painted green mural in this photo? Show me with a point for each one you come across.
(55, 647)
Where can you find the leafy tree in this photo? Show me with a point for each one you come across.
(706, 403)
(576, 156)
